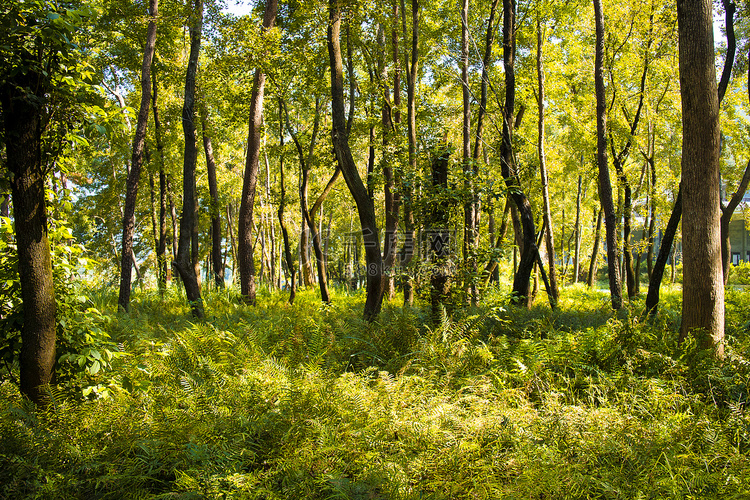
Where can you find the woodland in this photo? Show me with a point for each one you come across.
(357, 249)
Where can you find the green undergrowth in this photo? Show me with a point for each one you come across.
(308, 401)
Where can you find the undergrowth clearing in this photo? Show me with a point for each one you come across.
(309, 401)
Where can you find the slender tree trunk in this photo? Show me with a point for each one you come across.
(521, 292)
(595, 250)
(410, 67)
(482, 111)
(128, 221)
(605, 188)
(470, 236)
(184, 262)
(553, 291)
(245, 251)
(365, 207)
(703, 285)
(577, 232)
(216, 262)
(440, 239)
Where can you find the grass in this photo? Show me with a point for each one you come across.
(309, 401)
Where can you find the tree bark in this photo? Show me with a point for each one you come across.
(550, 240)
(128, 219)
(184, 262)
(411, 69)
(605, 187)
(703, 285)
(521, 292)
(245, 250)
(365, 207)
(22, 124)
(595, 251)
(216, 262)
(577, 232)
(307, 217)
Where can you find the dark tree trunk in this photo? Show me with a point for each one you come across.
(703, 285)
(21, 118)
(470, 214)
(595, 251)
(552, 285)
(184, 262)
(482, 111)
(365, 207)
(439, 237)
(665, 247)
(128, 219)
(605, 187)
(288, 256)
(410, 67)
(216, 262)
(308, 217)
(521, 292)
(245, 250)
(577, 235)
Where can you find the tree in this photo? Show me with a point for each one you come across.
(554, 294)
(185, 260)
(365, 206)
(605, 187)
(128, 219)
(245, 257)
(703, 284)
(38, 72)
(529, 250)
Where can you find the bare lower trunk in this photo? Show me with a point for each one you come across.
(22, 133)
(365, 207)
(245, 250)
(128, 220)
(595, 251)
(184, 262)
(605, 188)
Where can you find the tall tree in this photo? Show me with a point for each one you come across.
(217, 266)
(245, 250)
(37, 63)
(605, 187)
(128, 219)
(529, 250)
(411, 67)
(184, 262)
(365, 207)
(703, 284)
(550, 239)
(470, 213)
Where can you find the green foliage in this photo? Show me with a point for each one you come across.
(83, 348)
(310, 402)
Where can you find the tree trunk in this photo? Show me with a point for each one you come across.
(216, 263)
(553, 291)
(605, 188)
(128, 220)
(595, 250)
(703, 285)
(482, 111)
(577, 233)
(365, 207)
(245, 257)
(521, 292)
(184, 263)
(439, 237)
(411, 67)
(21, 118)
(470, 215)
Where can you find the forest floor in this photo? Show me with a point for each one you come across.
(308, 401)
